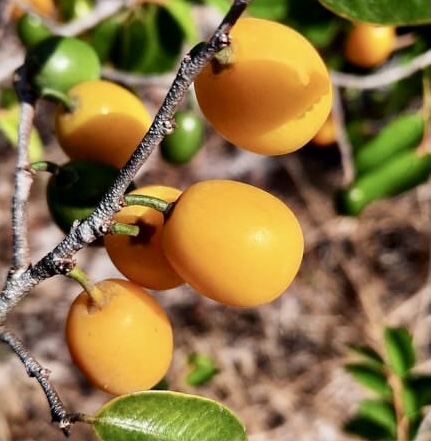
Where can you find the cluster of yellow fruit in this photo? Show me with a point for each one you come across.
(269, 92)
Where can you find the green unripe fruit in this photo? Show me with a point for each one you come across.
(180, 146)
(57, 63)
(75, 189)
(31, 30)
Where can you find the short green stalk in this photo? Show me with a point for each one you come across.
(148, 201)
(97, 296)
(127, 229)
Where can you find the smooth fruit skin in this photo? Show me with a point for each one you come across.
(233, 242)
(126, 345)
(142, 259)
(57, 63)
(326, 135)
(31, 30)
(275, 94)
(106, 125)
(181, 146)
(368, 45)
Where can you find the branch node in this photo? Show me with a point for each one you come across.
(64, 265)
(168, 126)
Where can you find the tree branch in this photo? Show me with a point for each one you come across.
(383, 78)
(101, 11)
(85, 232)
(34, 369)
(23, 177)
(343, 141)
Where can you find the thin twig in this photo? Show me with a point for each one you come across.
(343, 141)
(34, 369)
(132, 79)
(383, 78)
(101, 11)
(23, 178)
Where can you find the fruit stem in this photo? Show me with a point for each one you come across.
(223, 59)
(127, 229)
(56, 95)
(148, 201)
(97, 295)
(82, 418)
(47, 166)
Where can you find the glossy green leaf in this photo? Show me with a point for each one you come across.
(399, 349)
(412, 12)
(165, 415)
(371, 377)
(381, 412)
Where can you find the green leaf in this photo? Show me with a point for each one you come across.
(399, 349)
(9, 123)
(268, 9)
(221, 5)
(407, 13)
(166, 415)
(368, 353)
(203, 369)
(367, 429)
(371, 377)
(381, 412)
(181, 11)
(133, 43)
(416, 395)
(103, 36)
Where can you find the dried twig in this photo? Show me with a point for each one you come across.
(383, 78)
(34, 369)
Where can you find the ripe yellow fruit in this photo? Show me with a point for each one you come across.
(369, 45)
(44, 7)
(106, 125)
(141, 259)
(326, 135)
(272, 94)
(233, 242)
(124, 345)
